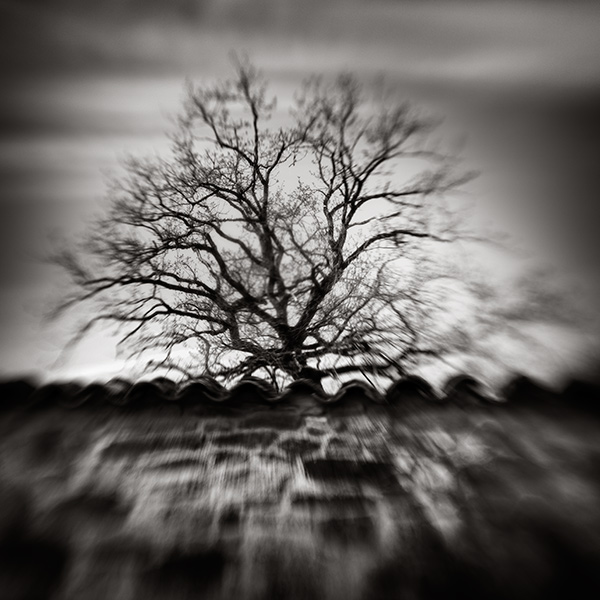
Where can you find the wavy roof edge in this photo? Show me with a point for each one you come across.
(462, 390)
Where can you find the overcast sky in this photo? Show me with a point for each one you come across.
(84, 83)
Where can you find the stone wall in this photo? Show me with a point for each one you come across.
(161, 493)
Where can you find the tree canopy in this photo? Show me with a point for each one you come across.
(266, 243)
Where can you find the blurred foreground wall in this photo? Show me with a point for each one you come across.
(146, 494)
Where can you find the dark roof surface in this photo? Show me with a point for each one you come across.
(208, 393)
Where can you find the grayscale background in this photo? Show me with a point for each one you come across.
(84, 83)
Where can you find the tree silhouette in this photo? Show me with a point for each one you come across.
(264, 248)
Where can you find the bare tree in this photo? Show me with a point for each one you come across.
(256, 248)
